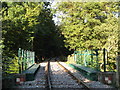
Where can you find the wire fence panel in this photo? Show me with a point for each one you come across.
(90, 58)
(25, 59)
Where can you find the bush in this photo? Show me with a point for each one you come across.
(10, 65)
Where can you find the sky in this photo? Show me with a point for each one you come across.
(56, 16)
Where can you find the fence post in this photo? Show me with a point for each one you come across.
(33, 57)
(97, 62)
(81, 57)
(74, 56)
(91, 56)
(27, 59)
(25, 53)
(19, 59)
(85, 59)
(22, 59)
(30, 58)
(104, 60)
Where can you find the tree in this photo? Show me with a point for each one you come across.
(19, 21)
(90, 25)
(30, 26)
(48, 40)
(87, 24)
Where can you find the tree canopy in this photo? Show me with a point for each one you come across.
(29, 25)
(90, 24)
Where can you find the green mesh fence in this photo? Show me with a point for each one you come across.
(25, 59)
(87, 58)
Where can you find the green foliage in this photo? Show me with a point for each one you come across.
(19, 24)
(19, 21)
(10, 65)
(70, 59)
(48, 40)
(29, 25)
(90, 25)
(95, 31)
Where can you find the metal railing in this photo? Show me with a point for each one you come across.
(25, 59)
(91, 58)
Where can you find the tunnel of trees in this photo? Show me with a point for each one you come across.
(30, 25)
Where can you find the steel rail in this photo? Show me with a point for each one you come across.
(49, 86)
(75, 78)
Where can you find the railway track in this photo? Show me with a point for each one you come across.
(60, 77)
(39, 82)
(52, 76)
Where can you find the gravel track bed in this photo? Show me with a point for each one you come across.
(91, 84)
(60, 78)
(40, 79)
